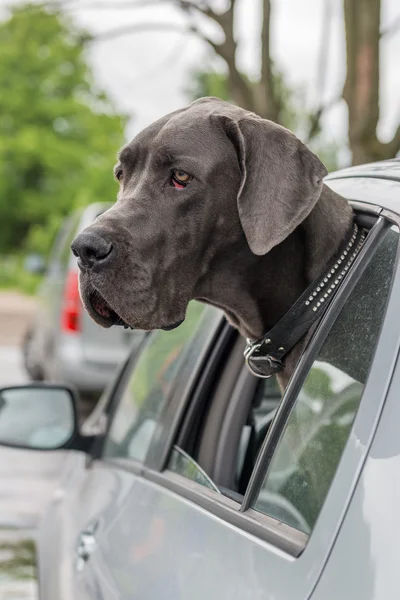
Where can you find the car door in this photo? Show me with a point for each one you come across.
(90, 497)
(194, 525)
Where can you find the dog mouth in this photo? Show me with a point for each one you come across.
(106, 315)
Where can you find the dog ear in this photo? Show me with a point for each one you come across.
(281, 180)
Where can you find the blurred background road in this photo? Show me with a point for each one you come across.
(15, 312)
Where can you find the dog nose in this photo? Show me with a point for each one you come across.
(91, 249)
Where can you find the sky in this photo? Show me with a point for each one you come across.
(147, 73)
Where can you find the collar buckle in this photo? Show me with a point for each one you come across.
(261, 365)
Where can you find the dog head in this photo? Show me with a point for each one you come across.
(193, 185)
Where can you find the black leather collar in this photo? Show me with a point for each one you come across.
(265, 357)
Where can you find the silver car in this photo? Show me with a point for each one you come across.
(194, 479)
(62, 343)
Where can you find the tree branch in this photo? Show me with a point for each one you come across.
(315, 119)
(322, 69)
(241, 91)
(204, 10)
(185, 5)
(240, 88)
(145, 27)
(267, 104)
(137, 28)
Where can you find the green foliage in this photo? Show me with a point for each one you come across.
(13, 275)
(19, 560)
(208, 83)
(58, 132)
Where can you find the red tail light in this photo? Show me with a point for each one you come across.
(72, 307)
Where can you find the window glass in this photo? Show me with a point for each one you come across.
(180, 462)
(308, 453)
(152, 380)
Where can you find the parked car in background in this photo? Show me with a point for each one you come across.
(194, 479)
(62, 343)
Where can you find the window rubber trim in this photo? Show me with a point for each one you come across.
(291, 541)
(297, 380)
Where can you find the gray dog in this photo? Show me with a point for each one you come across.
(215, 204)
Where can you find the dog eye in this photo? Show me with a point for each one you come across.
(180, 178)
(119, 174)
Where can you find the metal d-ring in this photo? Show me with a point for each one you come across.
(248, 353)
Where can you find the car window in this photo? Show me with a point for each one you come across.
(152, 380)
(311, 445)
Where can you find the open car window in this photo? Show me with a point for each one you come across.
(154, 376)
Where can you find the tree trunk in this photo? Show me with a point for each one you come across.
(361, 89)
(266, 102)
(240, 89)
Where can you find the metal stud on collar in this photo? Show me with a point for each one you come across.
(339, 276)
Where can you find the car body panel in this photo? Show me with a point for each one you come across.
(388, 169)
(178, 550)
(375, 182)
(84, 496)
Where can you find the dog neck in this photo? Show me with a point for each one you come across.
(256, 291)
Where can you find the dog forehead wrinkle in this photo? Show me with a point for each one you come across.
(127, 154)
(181, 136)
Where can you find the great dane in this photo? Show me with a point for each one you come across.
(215, 204)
